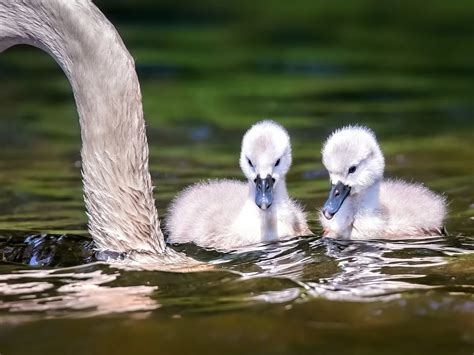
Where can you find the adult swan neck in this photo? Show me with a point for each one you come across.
(118, 190)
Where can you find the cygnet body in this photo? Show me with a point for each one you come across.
(362, 205)
(226, 214)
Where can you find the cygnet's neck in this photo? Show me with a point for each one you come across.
(268, 218)
(280, 194)
(364, 203)
(368, 201)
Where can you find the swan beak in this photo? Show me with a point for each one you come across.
(264, 195)
(337, 195)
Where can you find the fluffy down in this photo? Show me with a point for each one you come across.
(372, 207)
(226, 214)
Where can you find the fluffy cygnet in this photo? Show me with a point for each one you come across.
(361, 205)
(226, 214)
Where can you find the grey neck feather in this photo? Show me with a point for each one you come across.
(118, 189)
(369, 199)
(269, 218)
(281, 194)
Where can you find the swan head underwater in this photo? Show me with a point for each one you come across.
(361, 204)
(265, 159)
(354, 161)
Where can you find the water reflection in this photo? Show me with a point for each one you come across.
(347, 270)
(365, 270)
(55, 293)
(409, 77)
(292, 271)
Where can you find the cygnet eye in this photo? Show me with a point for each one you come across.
(352, 169)
(277, 163)
(250, 162)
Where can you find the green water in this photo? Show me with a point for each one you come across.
(207, 73)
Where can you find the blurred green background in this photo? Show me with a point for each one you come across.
(209, 70)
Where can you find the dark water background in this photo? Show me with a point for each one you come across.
(208, 71)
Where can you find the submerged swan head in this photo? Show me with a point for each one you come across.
(265, 159)
(354, 161)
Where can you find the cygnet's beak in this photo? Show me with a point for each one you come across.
(264, 195)
(337, 195)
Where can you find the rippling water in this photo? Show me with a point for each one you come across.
(302, 288)
(207, 73)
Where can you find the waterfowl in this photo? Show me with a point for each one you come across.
(118, 190)
(225, 214)
(362, 205)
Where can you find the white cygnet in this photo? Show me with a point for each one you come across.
(226, 214)
(362, 205)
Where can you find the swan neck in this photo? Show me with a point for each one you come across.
(117, 184)
(281, 193)
(369, 200)
(268, 218)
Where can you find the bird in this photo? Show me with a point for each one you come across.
(118, 190)
(362, 205)
(228, 214)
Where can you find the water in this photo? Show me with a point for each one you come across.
(207, 73)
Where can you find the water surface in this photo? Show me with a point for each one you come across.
(207, 73)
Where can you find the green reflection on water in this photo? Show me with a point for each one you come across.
(207, 73)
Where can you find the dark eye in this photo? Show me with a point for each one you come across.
(352, 169)
(277, 162)
(250, 162)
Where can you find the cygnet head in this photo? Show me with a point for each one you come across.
(354, 161)
(265, 159)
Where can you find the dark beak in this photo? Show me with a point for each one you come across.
(337, 195)
(264, 196)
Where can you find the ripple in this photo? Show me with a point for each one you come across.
(297, 270)
(71, 292)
